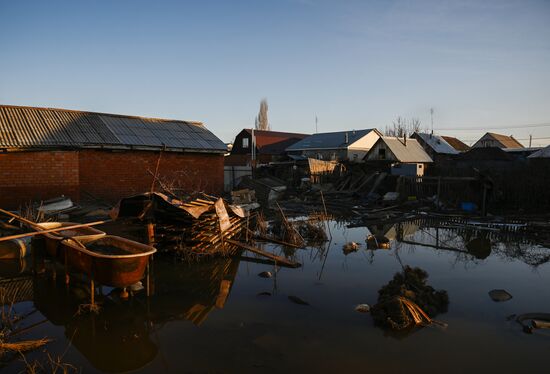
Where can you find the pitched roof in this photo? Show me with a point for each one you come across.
(329, 140)
(456, 143)
(437, 143)
(504, 140)
(30, 127)
(411, 152)
(275, 142)
(541, 153)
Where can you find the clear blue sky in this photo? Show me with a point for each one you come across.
(354, 64)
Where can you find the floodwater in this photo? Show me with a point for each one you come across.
(221, 317)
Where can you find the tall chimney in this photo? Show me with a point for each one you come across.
(405, 139)
(346, 137)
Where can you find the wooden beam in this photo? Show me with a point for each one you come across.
(271, 256)
(34, 233)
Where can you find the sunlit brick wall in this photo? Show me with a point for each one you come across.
(111, 175)
(35, 176)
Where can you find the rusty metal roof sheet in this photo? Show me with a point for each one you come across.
(30, 127)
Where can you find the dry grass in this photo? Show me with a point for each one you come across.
(23, 346)
(52, 365)
(88, 308)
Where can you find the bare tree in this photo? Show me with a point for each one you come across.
(401, 127)
(261, 122)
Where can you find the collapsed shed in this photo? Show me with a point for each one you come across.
(197, 225)
(47, 152)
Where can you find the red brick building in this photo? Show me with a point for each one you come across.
(46, 153)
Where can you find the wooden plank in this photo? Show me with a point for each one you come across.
(11, 237)
(271, 256)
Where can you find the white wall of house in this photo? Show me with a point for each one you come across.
(358, 149)
(380, 151)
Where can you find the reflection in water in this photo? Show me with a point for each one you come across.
(278, 333)
(118, 339)
(469, 243)
(191, 291)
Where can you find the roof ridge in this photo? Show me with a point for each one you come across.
(188, 122)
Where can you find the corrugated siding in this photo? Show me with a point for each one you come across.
(27, 127)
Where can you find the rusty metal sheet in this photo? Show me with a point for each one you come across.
(223, 217)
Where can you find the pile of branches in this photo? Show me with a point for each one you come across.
(408, 301)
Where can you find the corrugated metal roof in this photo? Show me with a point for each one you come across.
(329, 140)
(541, 153)
(29, 127)
(437, 143)
(412, 152)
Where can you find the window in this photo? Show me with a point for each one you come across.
(245, 142)
(382, 153)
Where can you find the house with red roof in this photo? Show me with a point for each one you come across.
(262, 146)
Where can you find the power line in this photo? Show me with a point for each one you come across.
(541, 138)
(528, 125)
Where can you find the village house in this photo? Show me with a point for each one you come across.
(350, 145)
(46, 153)
(435, 146)
(269, 147)
(491, 139)
(403, 156)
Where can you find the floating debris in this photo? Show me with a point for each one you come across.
(500, 295)
(538, 320)
(362, 308)
(265, 274)
(297, 300)
(378, 242)
(407, 301)
(264, 294)
(350, 247)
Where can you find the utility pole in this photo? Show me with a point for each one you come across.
(432, 118)
(530, 139)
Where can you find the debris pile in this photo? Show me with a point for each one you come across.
(199, 225)
(407, 301)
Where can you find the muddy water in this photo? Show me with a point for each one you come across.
(222, 317)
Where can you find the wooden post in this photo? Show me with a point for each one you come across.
(439, 193)
(484, 202)
(67, 277)
(147, 279)
(92, 291)
(151, 233)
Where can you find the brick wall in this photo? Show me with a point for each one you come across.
(111, 175)
(26, 176)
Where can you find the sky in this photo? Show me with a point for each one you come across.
(481, 65)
